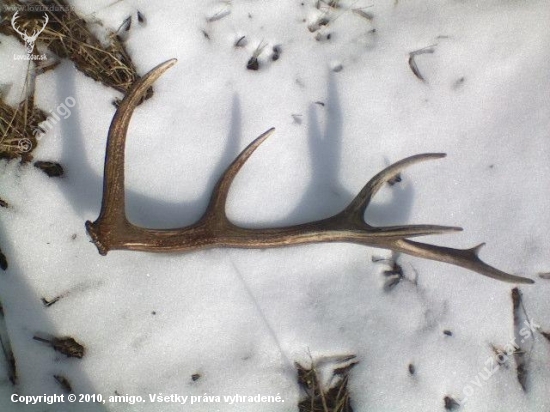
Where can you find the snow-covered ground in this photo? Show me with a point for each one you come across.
(344, 107)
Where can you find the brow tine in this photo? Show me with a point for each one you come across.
(113, 204)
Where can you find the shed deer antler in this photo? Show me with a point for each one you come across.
(112, 230)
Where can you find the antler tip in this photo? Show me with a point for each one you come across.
(261, 138)
(475, 250)
(269, 132)
(161, 68)
(520, 280)
(435, 155)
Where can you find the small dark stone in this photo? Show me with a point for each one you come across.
(458, 83)
(148, 94)
(3, 261)
(52, 169)
(3, 203)
(391, 282)
(448, 332)
(68, 347)
(322, 36)
(141, 17)
(412, 369)
(64, 382)
(521, 371)
(396, 179)
(195, 377)
(253, 64)
(323, 21)
(49, 303)
(276, 53)
(450, 403)
(126, 24)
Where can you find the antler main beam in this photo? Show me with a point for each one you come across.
(112, 230)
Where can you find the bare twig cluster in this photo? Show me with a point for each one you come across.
(18, 127)
(69, 36)
(326, 394)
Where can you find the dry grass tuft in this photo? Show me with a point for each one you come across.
(325, 395)
(66, 35)
(18, 127)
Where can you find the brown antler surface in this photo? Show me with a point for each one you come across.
(112, 230)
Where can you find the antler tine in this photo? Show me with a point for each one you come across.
(113, 205)
(407, 231)
(466, 258)
(216, 206)
(355, 211)
(358, 205)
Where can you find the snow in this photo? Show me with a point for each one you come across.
(241, 318)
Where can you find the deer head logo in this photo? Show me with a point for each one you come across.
(29, 40)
